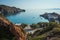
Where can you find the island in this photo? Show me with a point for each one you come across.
(7, 10)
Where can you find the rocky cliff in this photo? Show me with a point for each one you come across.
(52, 17)
(9, 31)
(7, 10)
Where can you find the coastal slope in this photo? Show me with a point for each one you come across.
(9, 31)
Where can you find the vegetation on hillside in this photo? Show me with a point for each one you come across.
(10, 31)
(49, 31)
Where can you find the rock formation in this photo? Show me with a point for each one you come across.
(9, 30)
(52, 17)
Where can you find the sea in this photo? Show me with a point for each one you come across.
(30, 16)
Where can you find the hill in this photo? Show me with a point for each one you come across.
(7, 10)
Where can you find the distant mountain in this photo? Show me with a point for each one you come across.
(54, 9)
(7, 10)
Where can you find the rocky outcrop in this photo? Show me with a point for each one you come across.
(10, 31)
(52, 17)
(7, 10)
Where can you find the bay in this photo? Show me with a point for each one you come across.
(30, 16)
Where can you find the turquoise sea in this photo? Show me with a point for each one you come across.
(30, 16)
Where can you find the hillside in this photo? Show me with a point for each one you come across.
(7, 10)
(49, 31)
(9, 31)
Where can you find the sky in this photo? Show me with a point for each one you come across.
(32, 4)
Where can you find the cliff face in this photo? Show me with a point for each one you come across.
(7, 10)
(10, 31)
(52, 17)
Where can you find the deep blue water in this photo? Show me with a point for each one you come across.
(30, 16)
